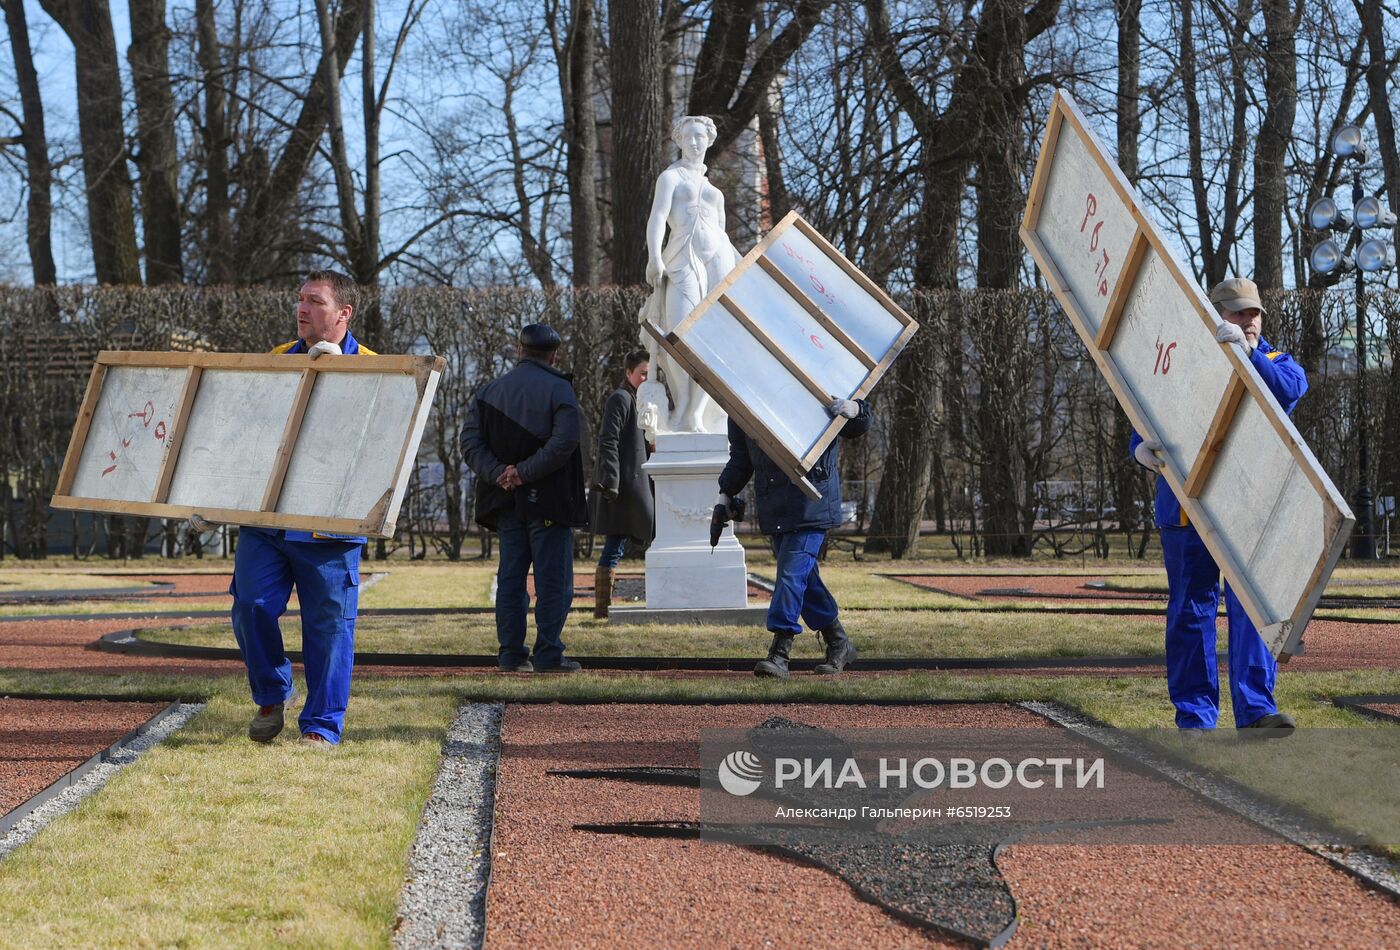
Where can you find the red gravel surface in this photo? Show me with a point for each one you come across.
(1058, 586)
(1390, 709)
(551, 885)
(41, 739)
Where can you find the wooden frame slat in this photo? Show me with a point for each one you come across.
(816, 312)
(1127, 277)
(771, 345)
(69, 471)
(289, 440)
(176, 435)
(1215, 437)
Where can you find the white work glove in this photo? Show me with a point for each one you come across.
(1148, 454)
(201, 526)
(1227, 332)
(848, 408)
(324, 348)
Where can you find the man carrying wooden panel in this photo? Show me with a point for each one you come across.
(797, 527)
(324, 568)
(1193, 579)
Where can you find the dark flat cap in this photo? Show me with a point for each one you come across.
(538, 336)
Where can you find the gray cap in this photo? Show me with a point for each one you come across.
(1237, 293)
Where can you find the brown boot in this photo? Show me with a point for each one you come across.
(602, 591)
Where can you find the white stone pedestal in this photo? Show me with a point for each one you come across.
(683, 571)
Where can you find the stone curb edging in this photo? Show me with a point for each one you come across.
(443, 901)
(153, 589)
(129, 642)
(25, 821)
(1361, 705)
(1374, 870)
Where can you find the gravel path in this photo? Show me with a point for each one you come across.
(552, 885)
(41, 740)
(99, 776)
(443, 903)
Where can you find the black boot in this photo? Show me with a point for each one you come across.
(839, 649)
(777, 663)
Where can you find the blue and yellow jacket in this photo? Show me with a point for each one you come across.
(350, 347)
(1286, 380)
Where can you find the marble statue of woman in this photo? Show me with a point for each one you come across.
(697, 256)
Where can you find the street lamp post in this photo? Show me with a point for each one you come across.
(1372, 255)
(1363, 540)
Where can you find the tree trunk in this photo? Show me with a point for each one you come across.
(38, 171)
(577, 86)
(776, 204)
(1271, 151)
(216, 142)
(1373, 26)
(638, 130)
(158, 160)
(111, 221)
(1126, 473)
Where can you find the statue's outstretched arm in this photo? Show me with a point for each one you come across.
(656, 226)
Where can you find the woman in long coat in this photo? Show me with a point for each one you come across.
(622, 503)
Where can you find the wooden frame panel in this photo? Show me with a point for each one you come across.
(378, 522)
(1188, 475)
(828, 317)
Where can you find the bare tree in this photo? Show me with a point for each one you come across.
(33, 139)
(638, 130)
(111, 220)
(157, 159)
(575, 46)
(216, 136)
(1271, 151)
(986, 102)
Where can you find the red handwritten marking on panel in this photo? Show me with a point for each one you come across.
(1091, 207)
(817, 284)
(145, 414)
(1164, 357)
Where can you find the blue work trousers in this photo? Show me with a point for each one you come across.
(326, 575)
(1192, 668)
(799, 591)
(550, 548)
(614, 546)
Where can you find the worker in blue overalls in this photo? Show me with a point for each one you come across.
(1193, 579)
(324, 568)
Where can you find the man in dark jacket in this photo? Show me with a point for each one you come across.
(797, 526)
(622, 503)
(521, 439)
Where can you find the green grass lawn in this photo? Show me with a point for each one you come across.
(876, 633)
(20, 581)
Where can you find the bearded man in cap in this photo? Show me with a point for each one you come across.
(1193, 579)
(521, 438)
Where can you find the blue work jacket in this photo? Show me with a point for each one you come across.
(350, 347)
(1286, 380)
(782, 506)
